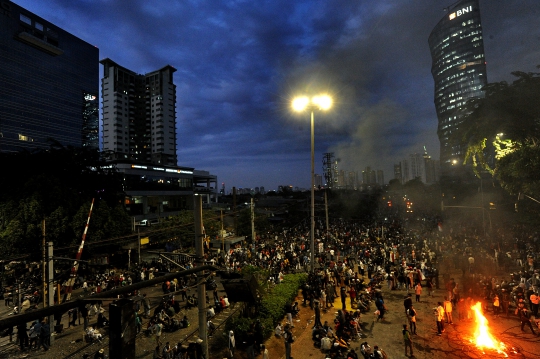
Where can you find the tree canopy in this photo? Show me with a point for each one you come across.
(502, 130)
(57, 185)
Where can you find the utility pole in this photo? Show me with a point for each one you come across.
(222, 233)
(252, 223)
(326, 210)
(234, 211)
(50, 291)
(139, 244)
(199, 261)
(44, 265)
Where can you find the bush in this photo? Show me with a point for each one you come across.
(272, 309)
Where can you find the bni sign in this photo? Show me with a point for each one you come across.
(460, 12)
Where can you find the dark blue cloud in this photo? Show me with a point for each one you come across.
(240, 63)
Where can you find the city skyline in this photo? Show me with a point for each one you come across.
(239, 65)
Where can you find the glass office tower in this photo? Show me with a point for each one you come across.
(459, 70)
(48, 84)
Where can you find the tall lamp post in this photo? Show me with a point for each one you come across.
(299, 104)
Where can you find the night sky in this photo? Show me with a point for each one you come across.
(240, 63)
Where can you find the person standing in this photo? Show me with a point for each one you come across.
(146, 305)
(535, 301)
(524, 317)
(407, 339)
(264, 352)
(158, 331)
(429, 285)
(289, 339)
(45, 335)
(448, 310)
(343, 293)
(232, 344)
(418, 291)
(411, 316)
(288, 311)
(317, 315)
(439, 312)
(22, 335)
(407, 303)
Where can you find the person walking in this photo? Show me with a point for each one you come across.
(439, 312)
(407, 339)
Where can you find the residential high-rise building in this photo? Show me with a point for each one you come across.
(418, 166)
(459, 71)
(139, 115)
(49, 91)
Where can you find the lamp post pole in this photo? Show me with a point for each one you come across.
(301, 103)
(312, 231)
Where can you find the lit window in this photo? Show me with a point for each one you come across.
(25, 138)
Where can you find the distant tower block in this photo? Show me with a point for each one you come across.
(328, 162)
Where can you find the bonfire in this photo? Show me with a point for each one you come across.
(482, 337)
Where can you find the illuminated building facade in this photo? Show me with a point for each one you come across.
(459, 72)
(49, 84)
(139, 115)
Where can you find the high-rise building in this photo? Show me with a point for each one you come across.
(459, 70)
(419, 166)
(380, 177)
(397, 172)
(139, 115)
(49, 84)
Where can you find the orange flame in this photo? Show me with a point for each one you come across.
(482, 337)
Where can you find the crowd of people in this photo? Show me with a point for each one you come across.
(354, 260)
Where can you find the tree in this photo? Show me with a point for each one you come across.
(502, 130)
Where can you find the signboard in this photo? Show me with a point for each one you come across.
(145, 240)
(458, 13)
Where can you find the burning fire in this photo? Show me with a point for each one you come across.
(482, 338)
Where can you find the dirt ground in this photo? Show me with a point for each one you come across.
(454, 342)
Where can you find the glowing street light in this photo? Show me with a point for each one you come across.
(299, 104)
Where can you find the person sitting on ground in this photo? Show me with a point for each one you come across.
(295, 309)
(190, 302)
(102, 321)
(351, 354)
(365, 349)
(211, 328)
(93, 333)
(278, 332)
(210, 313)
(184, 322)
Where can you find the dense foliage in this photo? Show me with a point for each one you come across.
(57, 186)
(502, 133)
(272, 307)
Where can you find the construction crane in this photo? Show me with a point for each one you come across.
(75, 268)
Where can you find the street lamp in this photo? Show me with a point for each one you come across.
(299, 104)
